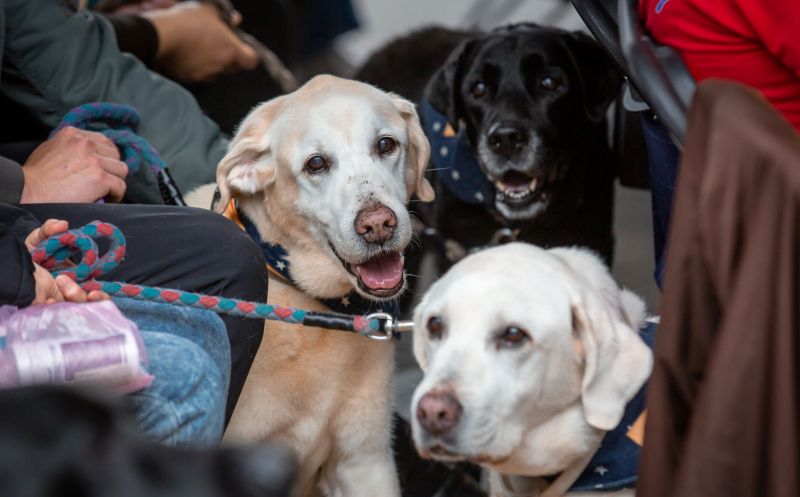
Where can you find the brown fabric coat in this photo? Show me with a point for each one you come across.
(723, 401)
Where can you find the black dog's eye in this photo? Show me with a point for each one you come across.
(316, 164)
(512, 337)
(386, 145)
(435, 327)
(551, 83)
(478, 90)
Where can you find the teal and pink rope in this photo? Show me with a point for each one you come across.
(75, 253)
(119, 123)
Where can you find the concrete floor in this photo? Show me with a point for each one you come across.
(383, 20)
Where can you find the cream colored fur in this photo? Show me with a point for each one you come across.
(536, 408)
(323, 394)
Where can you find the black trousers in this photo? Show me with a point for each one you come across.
(188, 249)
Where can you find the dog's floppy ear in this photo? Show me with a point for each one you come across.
(249, 165)
(604, 319)
(600, 79)
(617, 361)
(418, 154)
(444, 89)
(420, 336)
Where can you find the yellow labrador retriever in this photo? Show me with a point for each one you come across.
(532, 359)
(325, 173)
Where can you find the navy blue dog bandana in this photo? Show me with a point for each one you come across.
(616, 462)
(454, 161)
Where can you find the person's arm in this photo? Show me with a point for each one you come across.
(11, 181)
(776, 22)
(136, 36)
(17, 284)
(55, 59)
(188, 42)
(22, 281)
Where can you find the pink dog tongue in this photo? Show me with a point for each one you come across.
(382, 272)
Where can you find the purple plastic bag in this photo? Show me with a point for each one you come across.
(72, 343)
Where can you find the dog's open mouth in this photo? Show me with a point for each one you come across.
(380, 275)
(518, 189)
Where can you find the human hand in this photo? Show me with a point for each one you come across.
(74, 166)
(195, 44)
(61, 288)
(133, 8)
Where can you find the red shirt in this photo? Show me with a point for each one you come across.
(756, 42)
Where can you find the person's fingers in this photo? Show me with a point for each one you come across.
(53, 227)
(34, 238)
(246, 55)
(236, 18)
(116, 188)
(70, 290)
(98, 296)
(157, 4)
(102, 144)
(49, 228)
(115, 167)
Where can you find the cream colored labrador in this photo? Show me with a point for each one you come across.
(326, 173)
(530, 356)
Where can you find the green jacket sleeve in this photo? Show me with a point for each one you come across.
(54, 59)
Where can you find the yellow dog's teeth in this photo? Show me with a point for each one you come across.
(533, 184)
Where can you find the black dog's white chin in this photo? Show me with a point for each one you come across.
(513, 212)
(521, 197)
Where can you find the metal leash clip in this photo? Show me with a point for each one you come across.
(389, 326)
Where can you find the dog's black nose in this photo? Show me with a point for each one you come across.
(438, 412)
(506, 140)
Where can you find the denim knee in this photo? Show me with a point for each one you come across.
(190, 357)
(203, 328)
(185, 404)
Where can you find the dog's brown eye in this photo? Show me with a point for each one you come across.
(435, 327)
(316, 164)
(513, 337)
(386, 145)
(551, 84)
(479, 90)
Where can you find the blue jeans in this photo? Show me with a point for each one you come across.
(663, 158)
(190, 358)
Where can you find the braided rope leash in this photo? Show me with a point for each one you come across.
(57, 252)
(119, 124)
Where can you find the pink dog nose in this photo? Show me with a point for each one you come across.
(438, 412)
(376, 224)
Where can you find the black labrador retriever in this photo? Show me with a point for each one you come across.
(57, 441)
(517, 123)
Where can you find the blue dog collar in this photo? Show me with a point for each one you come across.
(454, 161)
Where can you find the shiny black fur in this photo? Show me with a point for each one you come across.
(567, 129)
(569, 125)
